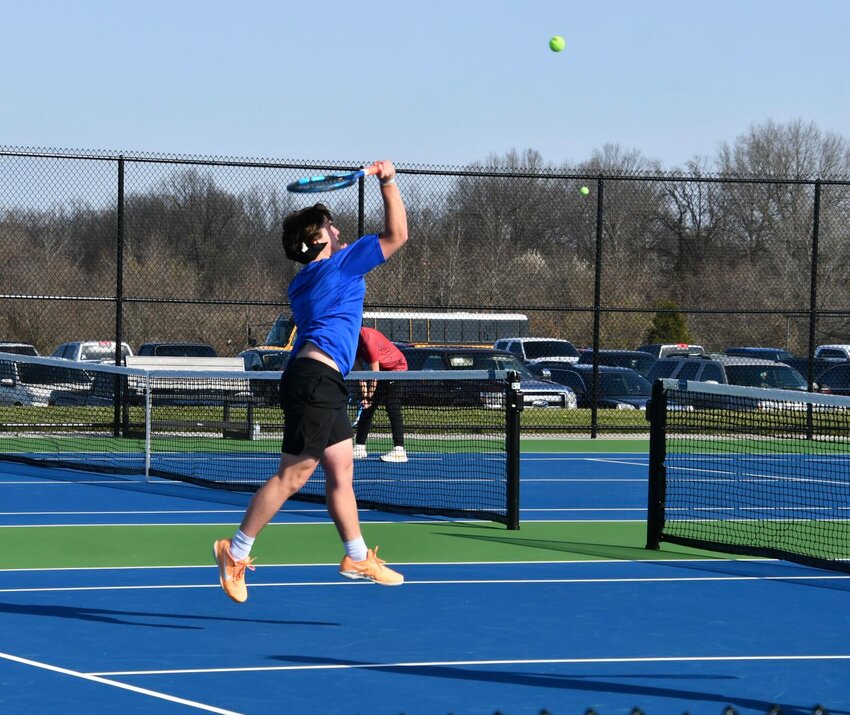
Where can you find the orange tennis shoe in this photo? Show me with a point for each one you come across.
(231, 573)
(370, 569)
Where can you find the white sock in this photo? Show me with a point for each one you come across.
(356, 549)
(240, 546)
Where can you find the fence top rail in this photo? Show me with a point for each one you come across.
(416, 170)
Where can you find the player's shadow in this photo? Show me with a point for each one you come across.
(588, 682)
(107, 615)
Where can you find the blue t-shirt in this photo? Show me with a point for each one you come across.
(327, 300)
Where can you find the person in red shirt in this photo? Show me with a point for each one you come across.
(375, 352)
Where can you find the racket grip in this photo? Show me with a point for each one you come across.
(373, 169)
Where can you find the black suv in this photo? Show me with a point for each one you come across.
(177, 350)
(729, 369)
(699, 369)
(536, 392)
(636, 360)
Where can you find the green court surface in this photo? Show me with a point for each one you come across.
(437, 542)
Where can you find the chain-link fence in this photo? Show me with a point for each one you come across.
(140, 248)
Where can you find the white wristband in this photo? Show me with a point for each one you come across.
(387, 182)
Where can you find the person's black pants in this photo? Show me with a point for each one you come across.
(388, 394)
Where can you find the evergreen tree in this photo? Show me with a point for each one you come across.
(668, 325)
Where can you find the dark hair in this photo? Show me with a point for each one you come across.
(303, 228)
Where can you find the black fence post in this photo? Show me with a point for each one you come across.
(361, 207)
(813, 284)
(813, 305)
(119, 296)
(597, 311)
(513, 407)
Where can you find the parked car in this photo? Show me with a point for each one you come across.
(762, 373)
(533, 350)
(835, 380)
(636, 360)
(177, 350)
(620, 388)
(34, 384)
(8, 346)
(775, 354)
(536, 392)
(819, 365)
(265, 358)
(833, 351)
(698, 369)
(91, 351)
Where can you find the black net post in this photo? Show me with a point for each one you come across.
(657, 416)
(513, 407)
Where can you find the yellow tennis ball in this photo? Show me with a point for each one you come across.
(584, 191)
(557, 43)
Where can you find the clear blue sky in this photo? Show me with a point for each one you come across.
(445, 82)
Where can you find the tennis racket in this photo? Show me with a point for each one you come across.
(331, 182)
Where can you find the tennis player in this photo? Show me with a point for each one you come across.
(326, 297)
(375, 352)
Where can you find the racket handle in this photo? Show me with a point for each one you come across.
(373, 169)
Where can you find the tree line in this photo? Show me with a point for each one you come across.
(201, 256)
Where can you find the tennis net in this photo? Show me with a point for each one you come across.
(224, 430)
(750, 471)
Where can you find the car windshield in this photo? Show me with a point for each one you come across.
(101, 351)
(637, 362)
(275, 361)
(185, 351)
(780, 376)
(32, 374)
(19, 350)
(663, 368)
(535, 349)
(488, 361)
(624, 383)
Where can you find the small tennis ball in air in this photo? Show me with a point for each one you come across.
(557, 43)
(584, 191)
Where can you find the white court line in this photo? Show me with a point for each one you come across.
(460, 663)
(595, 480)
(151, 511)
(605, 460)
(41, 482)
(662, 562)
(242, 511)
(571, 509)
(115, 684)
(438, 582)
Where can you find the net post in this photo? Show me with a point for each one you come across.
(513, 407)
(657, 416)
(148, 425)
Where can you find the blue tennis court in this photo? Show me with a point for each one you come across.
(565, 614)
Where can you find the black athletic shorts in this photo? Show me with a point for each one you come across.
(314, 399)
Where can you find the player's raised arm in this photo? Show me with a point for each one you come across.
(394, 234)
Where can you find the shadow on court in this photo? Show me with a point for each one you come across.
(106, 615)
(588, 683)
(608, 551)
